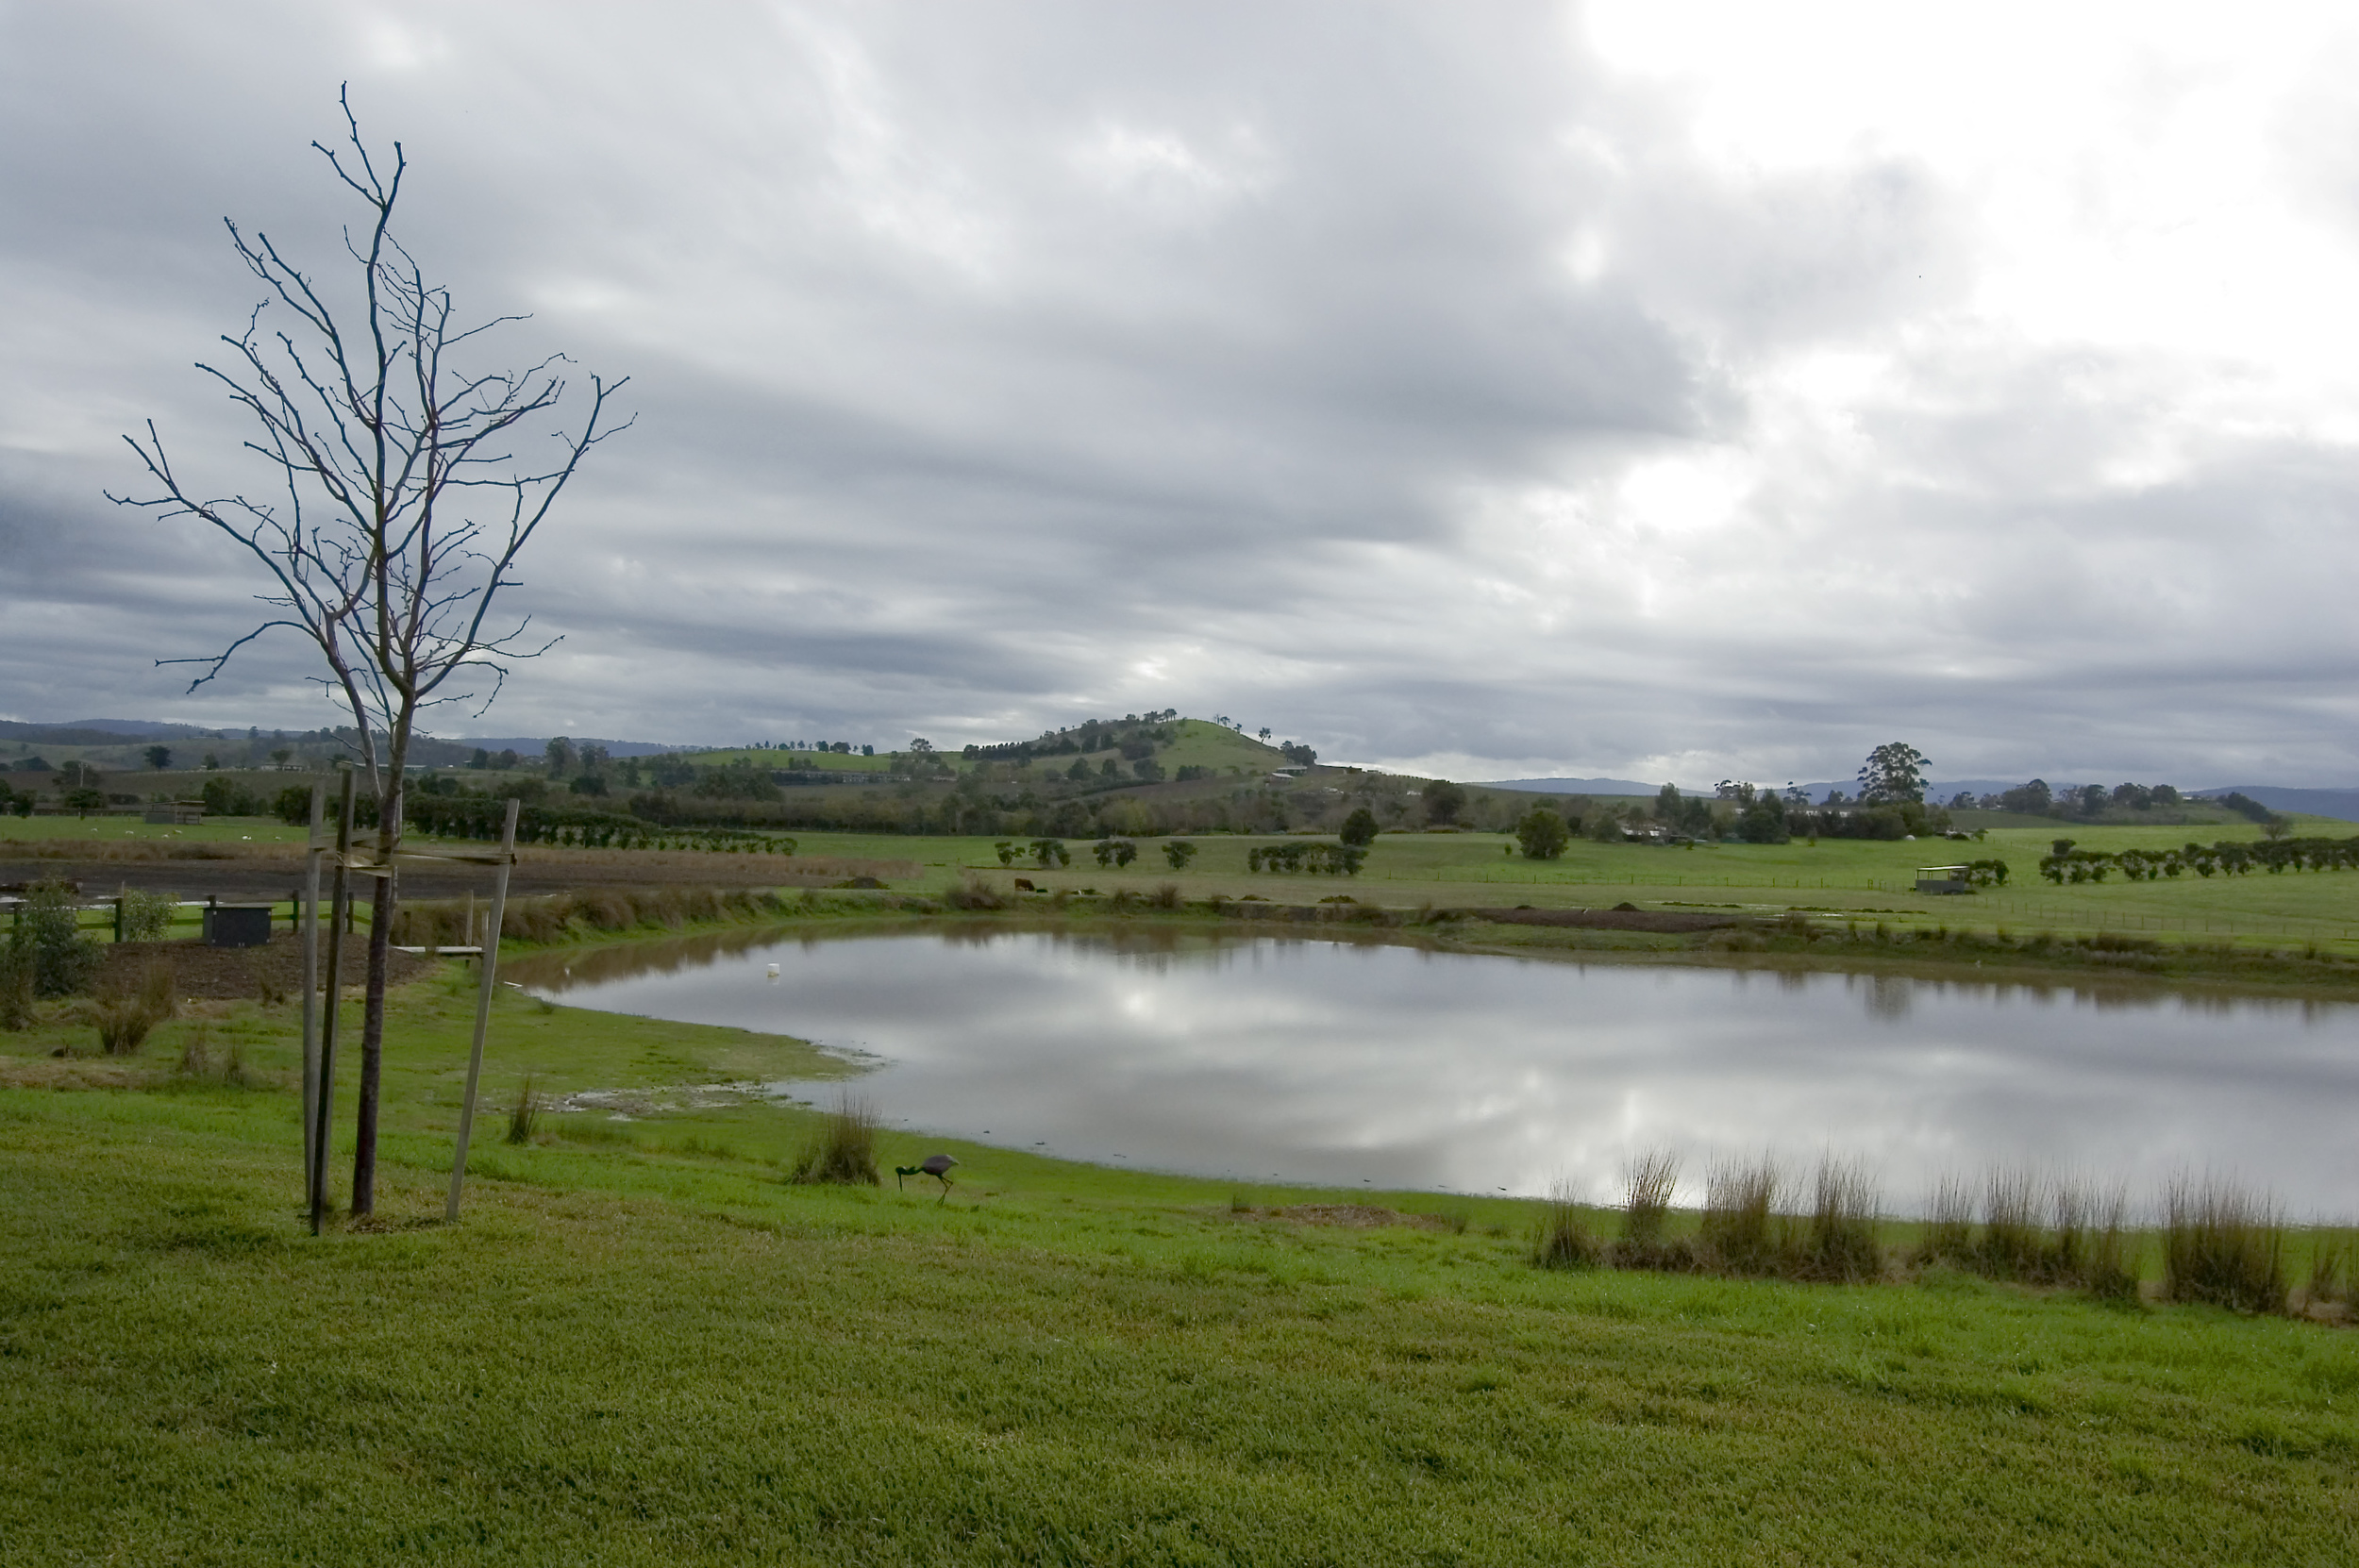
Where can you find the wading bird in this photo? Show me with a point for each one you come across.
(935, 1165)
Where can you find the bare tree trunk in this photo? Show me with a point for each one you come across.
(371, 1050)
(373, 1009)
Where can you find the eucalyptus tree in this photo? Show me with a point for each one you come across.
(398, 497)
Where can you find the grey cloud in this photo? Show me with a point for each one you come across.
(998, 364)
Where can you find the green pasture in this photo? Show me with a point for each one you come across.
(1834, 879)
(642, 1346)
(109, 830)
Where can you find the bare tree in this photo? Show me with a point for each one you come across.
(396, 507)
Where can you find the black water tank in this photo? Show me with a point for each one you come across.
(237, 924)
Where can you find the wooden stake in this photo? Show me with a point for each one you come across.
(491, 959)
(308, 916)
(339, 909)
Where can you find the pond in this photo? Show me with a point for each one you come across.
(1270, 1058)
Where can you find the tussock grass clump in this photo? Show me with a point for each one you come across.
(1648, 1181)
(2035, 1231)
(1563, 1240)
(1840, 1243)
(1739, 1233)
(524, 1117)
(126, 1018)
(2010, 1245)
(843, 1149)
(2332, 1280)
(196, 1057)
(2222, 1244)
(1165, 897)
(1948, 1235)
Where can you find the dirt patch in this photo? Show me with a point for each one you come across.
(1357, 1216)
(74, 1073)
(228, 973)
(1612, 920)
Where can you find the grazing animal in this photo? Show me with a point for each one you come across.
(935, 1165)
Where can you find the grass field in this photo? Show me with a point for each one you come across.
(642, 1346)
(1834, 880)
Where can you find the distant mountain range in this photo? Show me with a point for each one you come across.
(2340, 804)
(114, 732)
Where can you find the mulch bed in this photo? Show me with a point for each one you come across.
(227, 974)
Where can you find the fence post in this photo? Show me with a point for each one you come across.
(339, 910)
(307, 921)
(490, 958)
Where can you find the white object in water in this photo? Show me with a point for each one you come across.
(774, 971)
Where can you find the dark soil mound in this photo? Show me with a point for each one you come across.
(230, 973)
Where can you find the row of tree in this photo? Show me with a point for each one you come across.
(2066, 863)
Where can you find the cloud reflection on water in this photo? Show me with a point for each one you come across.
(1337, 1061)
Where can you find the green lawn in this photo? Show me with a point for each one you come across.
(642, 1345)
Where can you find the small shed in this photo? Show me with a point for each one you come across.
(237, 924)
(1942, 879)
(176, 813)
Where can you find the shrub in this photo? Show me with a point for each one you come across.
(2221, 1245)
(1165, 897)
(1359, 829)
(16, 986)
(1179, 852)
(146, 916)
(1542, 833)
(227, 797)
(843, 1149)
(49, 934)
(973, 893)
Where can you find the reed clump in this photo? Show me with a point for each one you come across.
(1648, 1182)
(1839, 1241)
(524, 1117)
(1739, 1232)
(2222, 1244)
(2032, 1230)
(1564, 1239)
(842, 1148)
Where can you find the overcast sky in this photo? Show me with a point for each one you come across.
(1670, 392)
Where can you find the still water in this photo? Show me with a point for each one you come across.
(1269, 1059)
